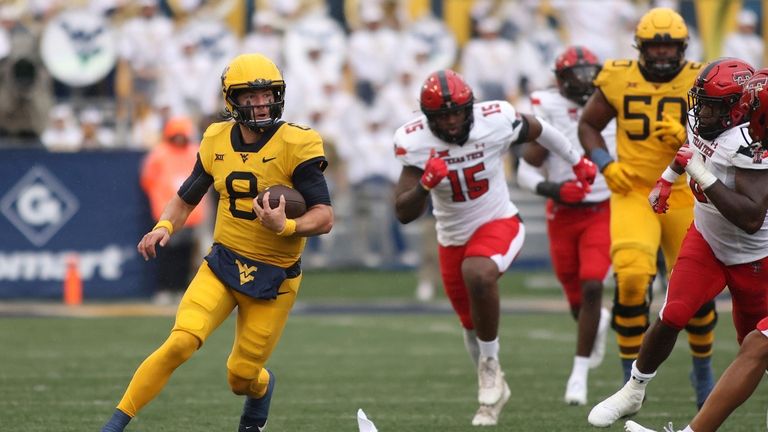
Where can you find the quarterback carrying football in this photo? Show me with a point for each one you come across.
(240, 157)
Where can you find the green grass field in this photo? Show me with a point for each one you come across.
(408, 371)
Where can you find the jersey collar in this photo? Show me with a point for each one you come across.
(239, 146)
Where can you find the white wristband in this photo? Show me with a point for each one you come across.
(670, 175)
(699, 173)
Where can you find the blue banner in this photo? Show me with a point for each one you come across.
(54, 205)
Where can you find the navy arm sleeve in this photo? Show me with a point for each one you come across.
(308, 179)
(196, 185)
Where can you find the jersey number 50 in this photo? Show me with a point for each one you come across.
(641, 112)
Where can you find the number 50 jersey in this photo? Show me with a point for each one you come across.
(639, 105)
(475, 190)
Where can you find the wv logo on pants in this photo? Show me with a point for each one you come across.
(245, 272)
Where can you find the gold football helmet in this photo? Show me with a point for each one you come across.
(661, 26)
(252, 72)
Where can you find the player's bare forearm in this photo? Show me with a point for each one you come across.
(316, 221)
(595, 117)
(676, 167)
(410, 196)
(746, 206)
(535, 154)
(177, 211)
(591, 138)
(411, 204)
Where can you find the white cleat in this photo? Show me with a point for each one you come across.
(626, 401)
(488, 415)
(490, 381)
(576, 391)
(631, 426)
(598, 349)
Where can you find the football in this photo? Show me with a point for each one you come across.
(295, 205)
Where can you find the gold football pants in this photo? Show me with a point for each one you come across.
(205, 305)
(636, 235)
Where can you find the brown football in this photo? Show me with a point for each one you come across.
(295, 205)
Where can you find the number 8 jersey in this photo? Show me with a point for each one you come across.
(239, 172)
(475, 190)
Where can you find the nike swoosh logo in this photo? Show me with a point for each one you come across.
(265, 159)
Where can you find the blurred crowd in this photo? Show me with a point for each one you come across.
(356, 80)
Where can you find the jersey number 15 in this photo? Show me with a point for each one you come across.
(475, 188)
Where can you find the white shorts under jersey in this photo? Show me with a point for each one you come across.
(722, 156)
(475, 190)
(564, 114)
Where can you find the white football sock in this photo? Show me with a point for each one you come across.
(640, 379)
(489, 349)
(580, 366)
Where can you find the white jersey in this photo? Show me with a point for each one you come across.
(564, 114)
(730, 150)
(475, 190)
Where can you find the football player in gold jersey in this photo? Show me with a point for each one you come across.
(648, 98)
(254, 263)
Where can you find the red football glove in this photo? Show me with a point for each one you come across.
(572, 192)
(585, 172)
(684, 155)
(659, 196)
(434, 171)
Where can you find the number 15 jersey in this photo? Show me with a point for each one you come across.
(475, 190)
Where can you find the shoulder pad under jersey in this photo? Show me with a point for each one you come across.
(216, 128)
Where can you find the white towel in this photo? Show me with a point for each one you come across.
(365, 424)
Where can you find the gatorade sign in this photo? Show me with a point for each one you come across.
(38, 205)
(55, 204)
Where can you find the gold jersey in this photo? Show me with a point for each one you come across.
(639, 104)
(240, 171)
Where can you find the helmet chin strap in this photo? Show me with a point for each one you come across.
(258, 127)
(661, 75)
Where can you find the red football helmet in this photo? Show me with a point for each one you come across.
(754, 101)
(575, 69)
(444, 94)
(715, 95)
